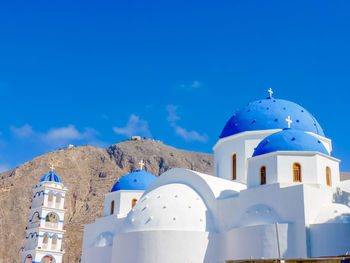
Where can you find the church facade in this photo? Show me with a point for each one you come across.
(276, 193)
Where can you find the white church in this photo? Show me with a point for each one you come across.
(275, 194)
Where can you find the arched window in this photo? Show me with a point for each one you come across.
(35, 218)
(112, 207)
(234, 167)
(45, 241)
(50, 199)
(296, 172)
(28, 259)
(54, 242)
(58, 200)
(133, 202)
(47, 259)
(51, 220)
(263, 175)
(328, 176)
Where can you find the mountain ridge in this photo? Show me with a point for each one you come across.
(89, 172)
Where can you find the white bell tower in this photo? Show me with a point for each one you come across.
(45, 231)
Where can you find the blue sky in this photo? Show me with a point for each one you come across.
(95, 72)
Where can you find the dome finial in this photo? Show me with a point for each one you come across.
(142, 164)
(52, 168)
(289, 121)
(271, 92)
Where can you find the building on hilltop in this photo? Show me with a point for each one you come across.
(276, 194)
(45, 227)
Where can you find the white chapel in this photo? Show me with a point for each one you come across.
(275, 194)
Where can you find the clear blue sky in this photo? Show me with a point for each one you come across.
(94, 72)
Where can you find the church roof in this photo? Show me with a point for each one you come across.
(138, 180)
(290, 140)
(51, 177)
(269, 114)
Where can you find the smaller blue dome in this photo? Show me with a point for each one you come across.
(51, 177)
(139, 180)
(290, 140)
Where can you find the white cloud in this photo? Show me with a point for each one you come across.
(172, 114)
(190, 135)
(65, 135)
(134, 126)
(57, 137)
(180, 131)
(192, 85)
(195, 84)
(22, 132)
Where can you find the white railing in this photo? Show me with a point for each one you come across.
(58, 205)
(50, 203)
(54, 246)
(44, 246)
(51, 224)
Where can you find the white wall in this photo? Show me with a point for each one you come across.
(256, 242)
(243, 145)
(97, 255)
(160, 246)
(329, 239)
(102, 225)
(279, 168)
(122, 202)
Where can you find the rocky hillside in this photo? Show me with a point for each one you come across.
(89, 172)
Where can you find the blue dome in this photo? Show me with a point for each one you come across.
(290, 140)
(139, 180)
(269, 114)
(51, 177)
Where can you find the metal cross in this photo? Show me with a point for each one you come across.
(289, 121)
(271, 92)
(52, 168)
(142, 164)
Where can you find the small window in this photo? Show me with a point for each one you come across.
(58, 200)
(296, 172)
(45, 241)
(328, 176)
(112, 207)
(54, 242)
(234, 167)
(263, 175)
(133, 202)
(50, 199)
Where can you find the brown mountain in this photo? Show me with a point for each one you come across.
(89, 172)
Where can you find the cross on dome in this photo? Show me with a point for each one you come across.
(52, 168)
(142, 164)
(289, 121)
(271, 92)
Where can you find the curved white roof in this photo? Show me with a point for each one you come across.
(334, 213)
(169, 207)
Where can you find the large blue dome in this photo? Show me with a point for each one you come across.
(139, 180)
(290, 140)
(51, 177)
(269, 114)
